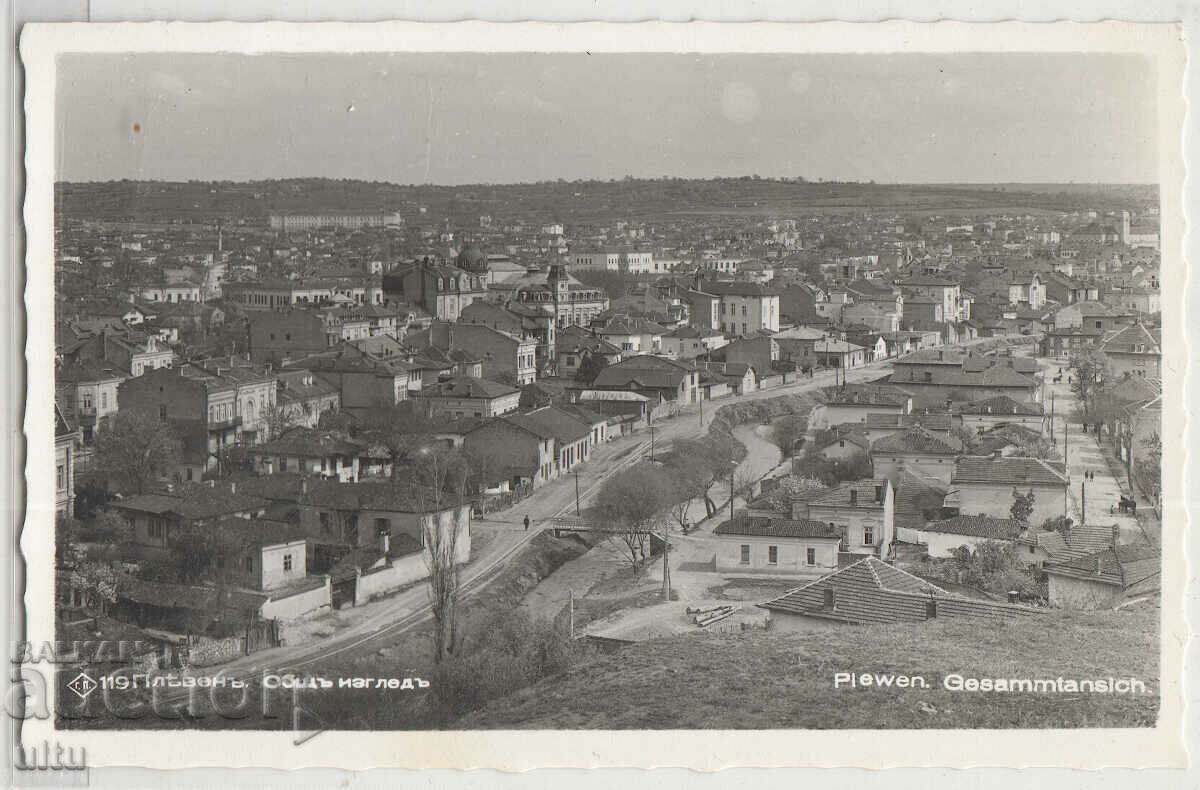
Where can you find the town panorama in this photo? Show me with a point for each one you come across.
(642, 453)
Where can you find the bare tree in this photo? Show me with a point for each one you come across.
(629, 505)
(441, 480)
(1088, 372)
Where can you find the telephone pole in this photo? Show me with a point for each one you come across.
(732, 468)
(577, 511)
(1082, 503)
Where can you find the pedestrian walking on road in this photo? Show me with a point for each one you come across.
(526, 523)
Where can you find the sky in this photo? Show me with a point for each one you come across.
(458, 118)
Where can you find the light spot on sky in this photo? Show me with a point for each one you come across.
(469, 118)
(799, 81)
(739, 102)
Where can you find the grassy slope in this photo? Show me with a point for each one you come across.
(761, 680)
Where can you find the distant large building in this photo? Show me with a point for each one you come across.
(746, 307)
(443, 290)
(570, 302)
(288, 221)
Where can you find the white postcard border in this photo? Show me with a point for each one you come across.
(703, 750)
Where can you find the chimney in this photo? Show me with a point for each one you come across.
(997, 454)
(853, 496)
(1116, 535)
(1013, 595)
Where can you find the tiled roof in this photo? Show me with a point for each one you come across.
(871, 591)
(931, 422)
(181, 596)
(1136, 335)
(915, 494)
(307, 442)
(383, 495)
(764, 527)
(1000, 405)
(916, 439)
(1088, 538)
(978, 526)
(467, 387)
(1008, 471)
(863, 490)
(865, 395)
(89, 370)
(1124, 565)
(550, 422)
(738, 289)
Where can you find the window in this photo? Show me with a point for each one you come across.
(324, 518)
(810, 556)
(287, 562)
(104, 400)
(773, 555)
(283, 463)
(62, 477)
(87, 400)
(250, 565)
(868, 536)
(745, 554)
(830, 598)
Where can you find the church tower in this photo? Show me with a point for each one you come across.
(561, 287)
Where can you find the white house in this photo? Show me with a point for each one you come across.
(862, 512)
(940, 538)
(776, 545)
(918, 451)
(985, 484)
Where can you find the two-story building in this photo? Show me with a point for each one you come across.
(87, 393)
(1134, 351)
(664, 379)
(984, 485)
(917, 451)
(746, 307)
(862, 513)
(311, 452)
(468, 396)
(66, 440)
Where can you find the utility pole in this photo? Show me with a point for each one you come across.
(1082, 503)
(651, 442)
(571, 610)
(666, 564)
(732, 468)
(577, 510)
(1066, 444)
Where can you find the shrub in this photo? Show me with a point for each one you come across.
(516, 652)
